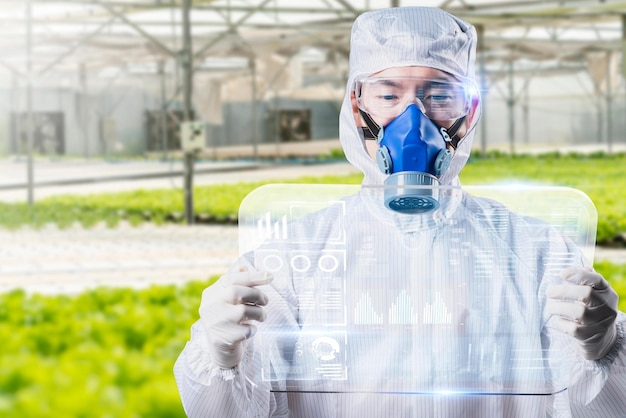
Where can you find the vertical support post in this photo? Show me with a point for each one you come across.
(624, 48)
(276, 126)
(187, 64)
(29, 103)
(623, 45)
(163, 124)
(255, 139)
(480, 30)
(16, 122)
(84, 106)
(599, 130)
(526, 113)
(511, 106)
(609, 103)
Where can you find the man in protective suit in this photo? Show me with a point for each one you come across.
(407, 119)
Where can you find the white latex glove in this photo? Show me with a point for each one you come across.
(226, 311)
(585, 308)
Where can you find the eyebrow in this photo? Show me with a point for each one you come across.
(428, 83)
(387, 82)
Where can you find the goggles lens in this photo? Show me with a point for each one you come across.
(439, 99)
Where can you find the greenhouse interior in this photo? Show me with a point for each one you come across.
(133, 132)
(106, 78)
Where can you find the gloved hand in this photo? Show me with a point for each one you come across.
(226, 312)
(586, 309)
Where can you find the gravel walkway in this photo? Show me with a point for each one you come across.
(72, 260)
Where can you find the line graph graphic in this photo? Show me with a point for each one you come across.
(436, 312)
(364, 313)
(402, 311)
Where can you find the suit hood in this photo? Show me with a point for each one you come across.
(399, 37)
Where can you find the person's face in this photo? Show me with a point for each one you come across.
(386, 93)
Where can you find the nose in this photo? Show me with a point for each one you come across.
(418, 102)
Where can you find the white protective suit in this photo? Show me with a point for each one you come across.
(472, 254)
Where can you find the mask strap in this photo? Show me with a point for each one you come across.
(370, 132)
(452, 130)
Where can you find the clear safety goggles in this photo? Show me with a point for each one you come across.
(439, 99)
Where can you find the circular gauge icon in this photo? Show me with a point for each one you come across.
(328, 263)
(325, 348)
(273, 263)
(300, 263)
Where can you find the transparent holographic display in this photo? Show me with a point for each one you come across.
(381, 302)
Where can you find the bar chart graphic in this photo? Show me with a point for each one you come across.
(402, 311)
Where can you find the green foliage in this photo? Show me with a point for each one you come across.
(599, 175)
(333, 154)
(109, 352)
(215, 203)
(616, 275)
(103, 353)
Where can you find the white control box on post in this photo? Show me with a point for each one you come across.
(192, 136)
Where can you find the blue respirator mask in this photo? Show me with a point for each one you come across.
(414, 152)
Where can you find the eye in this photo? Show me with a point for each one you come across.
(440, 98)
(389, 97)
(387, 100)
